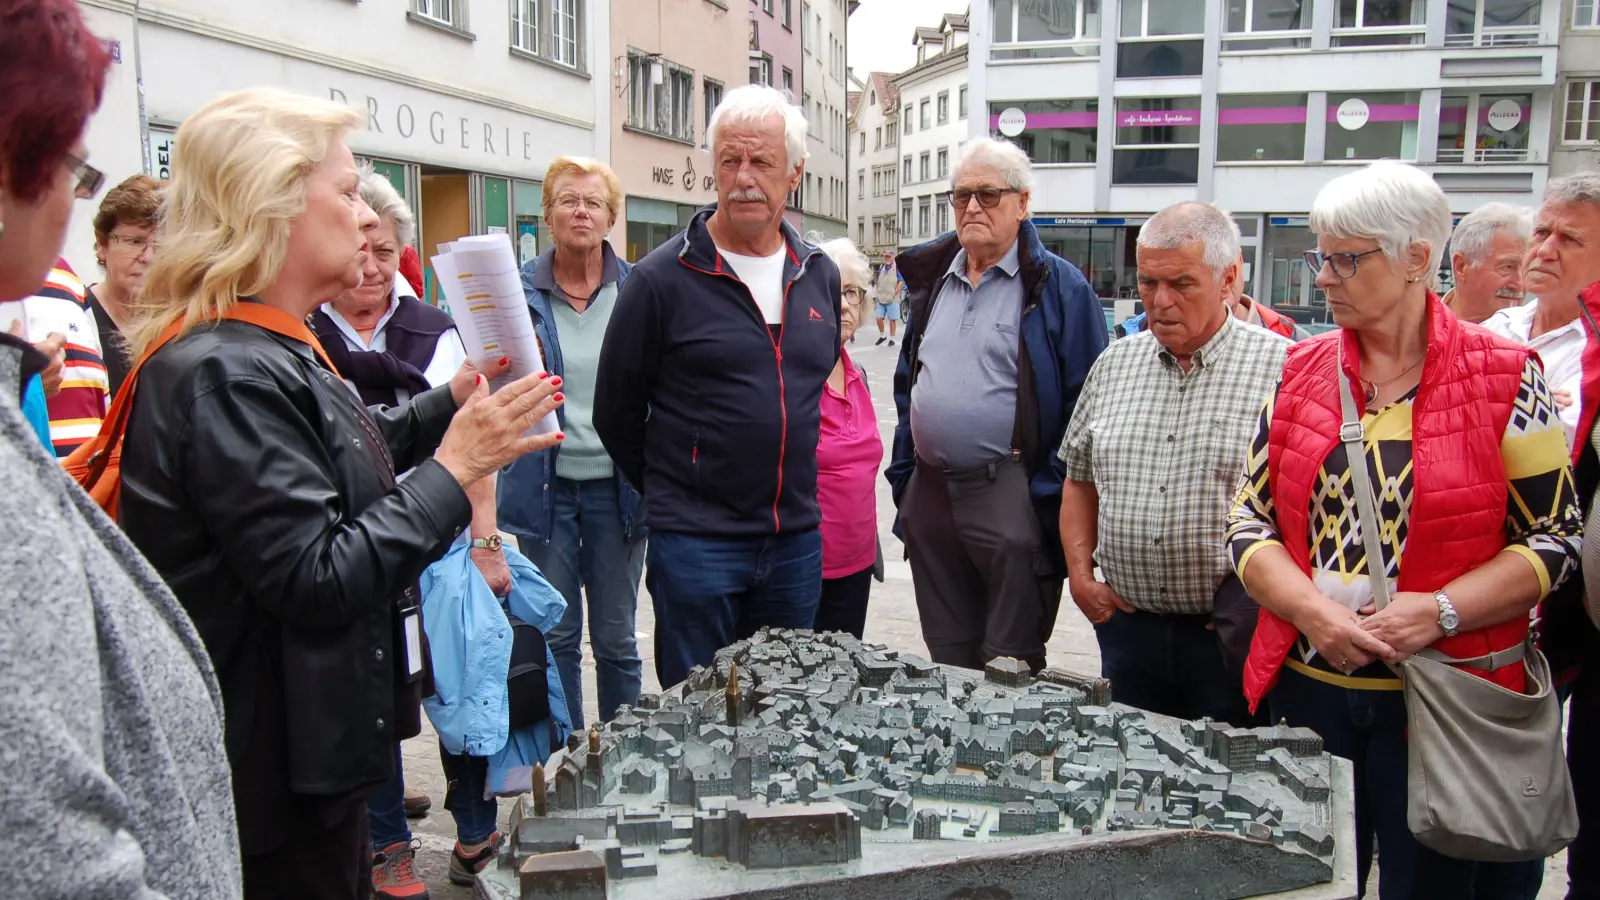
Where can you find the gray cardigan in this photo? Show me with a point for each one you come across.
(113, 778)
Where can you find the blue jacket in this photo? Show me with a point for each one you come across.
(524, 505)
(710, 413)
(469, 640)
(1063, 332)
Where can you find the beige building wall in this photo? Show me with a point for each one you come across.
(658, 152)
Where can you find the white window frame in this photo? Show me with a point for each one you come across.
(549, 30)
(762, 63)
(566, 32)
(942, 223)
(1501, 36)
(907, 210)
(891, 133)
(525, 30)
(1250, 33)
(925, 165)
(925, 113)
(711, 103)
(1078, 24)
(451, 13)
(1144, 27)
(961, 102)
(805, 26)
(924, 214)
(908, 171)
(942, 108)
(909, 119)
(667, 109)
(1593, 19)
(1361, 29)
(1591, 94)
(942, 164)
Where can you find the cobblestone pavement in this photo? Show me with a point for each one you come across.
(891, 620)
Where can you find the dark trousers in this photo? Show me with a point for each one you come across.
(1369, 729)
(710, 591)
(1172, 665)
(386, 810)
(984, 585)
(333, 863)
(844, 603)
(1583, 752)
(465, 780)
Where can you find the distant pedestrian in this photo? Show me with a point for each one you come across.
(849, 453)
(115, 781)
(1003, 336)
(1152, 459)
(573, 511)
(124, 244)
(890, 292)
(708, 397)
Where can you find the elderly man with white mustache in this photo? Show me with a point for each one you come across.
(708, 397)
(1486, 254)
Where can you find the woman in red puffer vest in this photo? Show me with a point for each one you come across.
(1478, 515)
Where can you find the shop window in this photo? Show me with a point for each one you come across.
(1267, 24)
(1261, 127)
(1583, 112)
(1051, 131)
(1157, 141)
(1491, 23)
(1371, 126)
(665, 108)
(1028, 29)
(1377, 23)
(528, 207)
(1484, 127)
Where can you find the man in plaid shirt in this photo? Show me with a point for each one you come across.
(1153, 457)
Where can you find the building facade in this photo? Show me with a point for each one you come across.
(823, 89)
(672, 61)
(1128, 107)
(1576, 142)
(776, 59)
(935, 120)
(466, 101)
(875, 156)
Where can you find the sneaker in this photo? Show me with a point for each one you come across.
(394, 873)
(464, 869)
(891, 342)
(880, 342)
(417, 804)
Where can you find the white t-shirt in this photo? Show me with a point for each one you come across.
(763, 275)
(1560, 350)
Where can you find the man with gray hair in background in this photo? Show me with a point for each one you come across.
(1486, 254)
(1001, 336)
(1153, 458)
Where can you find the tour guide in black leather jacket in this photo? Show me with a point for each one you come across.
(271, 508)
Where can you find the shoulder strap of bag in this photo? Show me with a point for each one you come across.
(1353, 435)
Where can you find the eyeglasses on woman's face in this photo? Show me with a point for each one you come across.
(593, 205)
(134, 244)
(1344, 264)
(89, 180)
(852, 294)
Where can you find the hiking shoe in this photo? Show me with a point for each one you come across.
(394, 873)
(880, 342)
(464, 869)
(417, 804)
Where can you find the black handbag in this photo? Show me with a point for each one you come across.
(1234, 614)
(527, 681)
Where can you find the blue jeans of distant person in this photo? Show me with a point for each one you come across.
(386, 810)
(1170, 664)
(465, 777)
(589, 554)
(711, 591)
(1369, 729)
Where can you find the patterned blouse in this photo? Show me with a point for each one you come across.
(1543, 521)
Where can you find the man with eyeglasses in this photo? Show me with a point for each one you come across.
(1000, 340)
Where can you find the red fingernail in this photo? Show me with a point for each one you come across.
(544, 375)
(478, 379)
(561, 435)
(555, 382)
(560, 397)
(505, 360)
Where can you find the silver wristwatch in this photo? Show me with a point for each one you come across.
(1449, 620)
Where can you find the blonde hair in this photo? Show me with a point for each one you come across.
(239, 180)
(582, 165)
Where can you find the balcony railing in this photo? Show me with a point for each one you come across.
(1075, 49)
(1487, 155)
(1505, 36)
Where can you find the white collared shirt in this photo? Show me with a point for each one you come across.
(448, 354)
(1561, 351)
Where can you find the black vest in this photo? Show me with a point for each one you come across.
(410, 338)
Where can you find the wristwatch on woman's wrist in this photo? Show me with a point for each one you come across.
(492, 542)
(1449, 620)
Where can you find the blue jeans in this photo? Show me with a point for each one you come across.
(386, 810)
(465, 777)
(1369, 729)
(711, 591)
(588, 553)
(1172, 665)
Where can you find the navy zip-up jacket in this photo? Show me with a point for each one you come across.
(708, 414)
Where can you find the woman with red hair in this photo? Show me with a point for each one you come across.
(109, 711)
